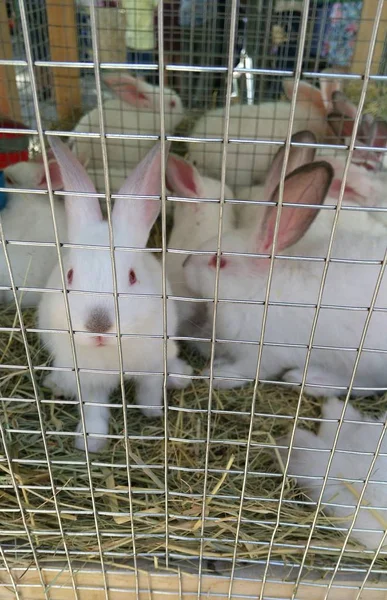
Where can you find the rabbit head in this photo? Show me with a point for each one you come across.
(240, 275)
(90, 269)
(146, 97)
(183, 179)
(371, 133)
(366, 181)
(31, 174)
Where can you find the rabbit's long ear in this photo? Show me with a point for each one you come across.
(306, 94)
(297, 158)
(307, 185)
(343, 105)
(81, 211)
(328, 86)
(343, 125)
(378, 134)
(183, 178)
(131, 90)
(133, 218)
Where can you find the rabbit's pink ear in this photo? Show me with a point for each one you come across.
(378, 134)
(297, 157)
(81, 210)
(131, 90)
(55, 176)
(343, 106)
(341, 126)
(306, 94)
(183, 178)
(134, 218)
(328, 87)
(370, 132)
(54, 168)
(307, 185)
(342, 117)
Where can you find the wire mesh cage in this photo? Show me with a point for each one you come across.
(193, 389)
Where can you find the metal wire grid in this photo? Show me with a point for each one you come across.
(210, 412)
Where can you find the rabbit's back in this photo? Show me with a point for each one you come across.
(30, 264)
(248, 162)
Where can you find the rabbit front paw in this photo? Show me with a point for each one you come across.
(150, 396)
(224, 370)
(94, 444)
(51, 383)
(180, 367)
(316, 378)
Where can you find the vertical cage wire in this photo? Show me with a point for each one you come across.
(266, 304)
(22, 328)
(114, 274)
(362, 340)
(160, 14)
(216, 288)
(351, 147)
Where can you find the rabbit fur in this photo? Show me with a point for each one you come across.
(30, 265)
(363, 188)
(135, 110)
(248, 163)
(347, 472)
(193, 224)
(244, 279)
(93, 314)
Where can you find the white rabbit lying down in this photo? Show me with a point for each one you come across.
(193, 224)
(93, 314)
(248, 163)
(340, 498)
(27, 218)
(294, 293)
(135, 111)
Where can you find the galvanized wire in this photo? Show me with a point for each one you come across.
(206, 414)
(230, 65)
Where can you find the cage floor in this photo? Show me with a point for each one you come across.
(155, 492)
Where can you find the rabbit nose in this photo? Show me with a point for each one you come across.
(99, 321)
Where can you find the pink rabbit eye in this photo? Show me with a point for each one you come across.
(132, 277)
(212, 262)
(173, 103)
(70, 274)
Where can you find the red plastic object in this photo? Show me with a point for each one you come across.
(13, 146)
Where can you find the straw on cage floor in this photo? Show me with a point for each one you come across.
(186, 451)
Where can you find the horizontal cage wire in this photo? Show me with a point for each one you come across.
(193, 389)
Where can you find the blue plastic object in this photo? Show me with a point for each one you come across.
(3, 195)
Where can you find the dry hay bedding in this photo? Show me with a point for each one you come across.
(185, 454)
(186, 451)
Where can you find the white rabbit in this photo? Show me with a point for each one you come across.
(27, 218)
(31, 174)
(366, 181)
(293, 296)
(308, 464)
(92, 313)
(194, 223)
(247, 162)
(363, 188)
(135, 111)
